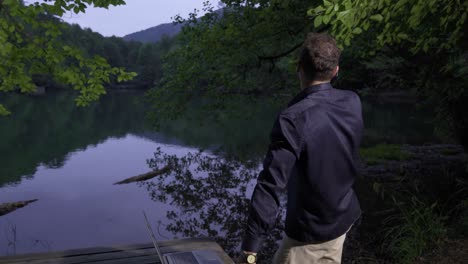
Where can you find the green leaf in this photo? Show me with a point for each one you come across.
(377, 17)
(3, 111)
(317, 21)
(402, 36)
(357, 30)
(348, 5)
(311, 12)
(326, 19)
(347, 41)
(343, 13)
(319, 9)
(366, 25)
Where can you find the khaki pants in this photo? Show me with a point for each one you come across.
(294, 252)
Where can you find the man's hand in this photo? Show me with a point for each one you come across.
(247, 258)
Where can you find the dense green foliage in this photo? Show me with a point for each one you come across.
(422, 25)
(143, 59)
(249, 49)
(418, 45)
(71, 56)
(233, 52)
(30, 44)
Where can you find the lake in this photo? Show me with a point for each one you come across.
(69, 159)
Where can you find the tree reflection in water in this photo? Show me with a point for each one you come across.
(210, 197)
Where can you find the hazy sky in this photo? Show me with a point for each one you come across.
(136, 15)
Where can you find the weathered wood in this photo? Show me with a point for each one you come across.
(138, 253)
(101, 257)
(77, 252)
(6, 208)
(134, 260)
(145, 176)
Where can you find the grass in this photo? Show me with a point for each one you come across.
(413, 224)
(415, 229)
(449, 151)
(378, 153)
(462, 225)
(460, 211)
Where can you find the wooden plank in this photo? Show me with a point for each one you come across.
(164, 243)
(190, 247)
(138, 253)
(75, 252)
(111, 256)
(133, 260)
(98, 258)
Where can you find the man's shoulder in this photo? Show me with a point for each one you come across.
(345, 92)
(316, 100)
(297, 109)
(318, 104)
(352, 94)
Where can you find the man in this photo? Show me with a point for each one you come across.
(313, 155)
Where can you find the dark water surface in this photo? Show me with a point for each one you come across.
(68, 158)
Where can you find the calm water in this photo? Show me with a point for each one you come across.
(68, 158)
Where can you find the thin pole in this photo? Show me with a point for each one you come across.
(153, 238)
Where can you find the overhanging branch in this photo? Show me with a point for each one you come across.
(274, 57)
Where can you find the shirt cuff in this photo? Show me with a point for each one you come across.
(251, 244)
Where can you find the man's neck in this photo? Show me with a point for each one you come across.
(317, 82)
(312, 83)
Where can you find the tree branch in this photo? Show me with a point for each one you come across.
(274, 57)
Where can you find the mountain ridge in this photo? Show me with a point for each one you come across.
(156, 33)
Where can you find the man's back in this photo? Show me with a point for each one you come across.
(313, 155)
(321, 202)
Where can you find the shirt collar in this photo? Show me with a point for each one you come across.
(309, 90)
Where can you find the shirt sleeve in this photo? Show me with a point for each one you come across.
(281, 159)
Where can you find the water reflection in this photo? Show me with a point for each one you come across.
(209, 196)
(46, 130)
(76, 154)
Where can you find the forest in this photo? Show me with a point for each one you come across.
(244, 53)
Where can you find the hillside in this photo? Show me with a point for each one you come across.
(154, 34)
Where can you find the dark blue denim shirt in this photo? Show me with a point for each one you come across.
(313, 155)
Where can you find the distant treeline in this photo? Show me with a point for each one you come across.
(142, 58)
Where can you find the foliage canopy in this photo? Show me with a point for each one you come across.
(429, 25)
(249, 48)
(30, 45)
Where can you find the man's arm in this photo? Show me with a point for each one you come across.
(281, 158)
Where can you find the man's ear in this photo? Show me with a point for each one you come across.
(337, 70)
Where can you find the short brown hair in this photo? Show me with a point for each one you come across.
(319, 57)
